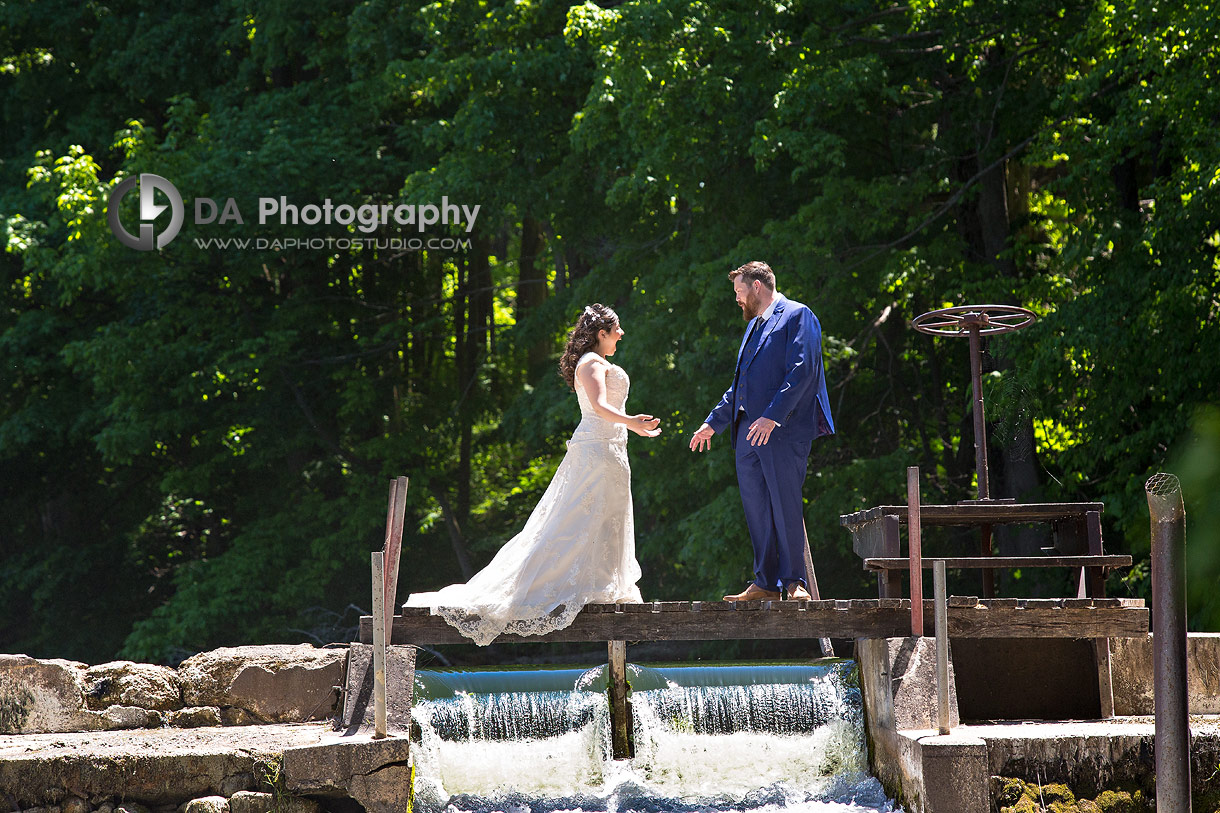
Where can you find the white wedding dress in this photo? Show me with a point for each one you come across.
(577, 547)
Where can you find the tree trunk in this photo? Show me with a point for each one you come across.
(460, 550)
(462, 347)
(531, 293)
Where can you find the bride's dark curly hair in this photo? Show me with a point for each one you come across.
(583, 338)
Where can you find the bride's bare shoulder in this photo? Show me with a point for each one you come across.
(591, 360)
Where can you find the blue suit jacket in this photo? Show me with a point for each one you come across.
(783, 379)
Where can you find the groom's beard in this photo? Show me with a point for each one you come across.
(751, 307)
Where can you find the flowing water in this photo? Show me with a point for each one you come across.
(751, 739)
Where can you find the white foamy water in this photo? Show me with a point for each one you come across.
(726, 748)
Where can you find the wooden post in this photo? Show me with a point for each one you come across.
(379, 638)
(985, 549)
(941, 620)
(393, 546)
(892, 545)
(828, 650)
(621, 740)
(914, 550)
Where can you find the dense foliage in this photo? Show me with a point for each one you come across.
(195, 442)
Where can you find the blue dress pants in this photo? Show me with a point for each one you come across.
(770, 478)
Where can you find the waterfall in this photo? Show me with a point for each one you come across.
(742, 738)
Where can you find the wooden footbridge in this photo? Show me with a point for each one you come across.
(888, 616)
(968, 616)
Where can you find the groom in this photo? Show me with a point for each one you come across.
(775, 407)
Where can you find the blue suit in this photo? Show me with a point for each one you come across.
(779, 375)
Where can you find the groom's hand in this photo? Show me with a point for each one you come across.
(702, 439)
(760, 431)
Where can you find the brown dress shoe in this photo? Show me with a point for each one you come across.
(754, 592)
(797, 592)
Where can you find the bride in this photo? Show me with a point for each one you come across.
(578, 545)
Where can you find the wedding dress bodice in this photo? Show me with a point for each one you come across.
(593, 426)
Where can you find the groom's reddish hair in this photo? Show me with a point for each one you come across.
(755, 270)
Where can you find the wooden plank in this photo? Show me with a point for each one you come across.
(712, 606)
(1036, 623)
(995, 513)
(890, 584)
(983, 562)
(857, 618)
(694, 626)
(867, 539)
(1034, 603)
(1097, 576)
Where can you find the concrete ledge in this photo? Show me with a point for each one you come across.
(1131, 665)
(151, 766)
(168, 767)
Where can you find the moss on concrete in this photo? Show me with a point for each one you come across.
(1017, 796)
(1119, 801)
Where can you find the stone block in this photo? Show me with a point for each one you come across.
(195, 717)
(123, 683)
(278, 683)
(911, 668)
(42, 696)
(386, 791)
(358, 706)
(249, 802)
(123, 717)
(330, 768)
(206, 804)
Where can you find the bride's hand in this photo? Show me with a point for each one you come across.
(645, 425)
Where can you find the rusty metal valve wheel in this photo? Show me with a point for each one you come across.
(989, 319)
